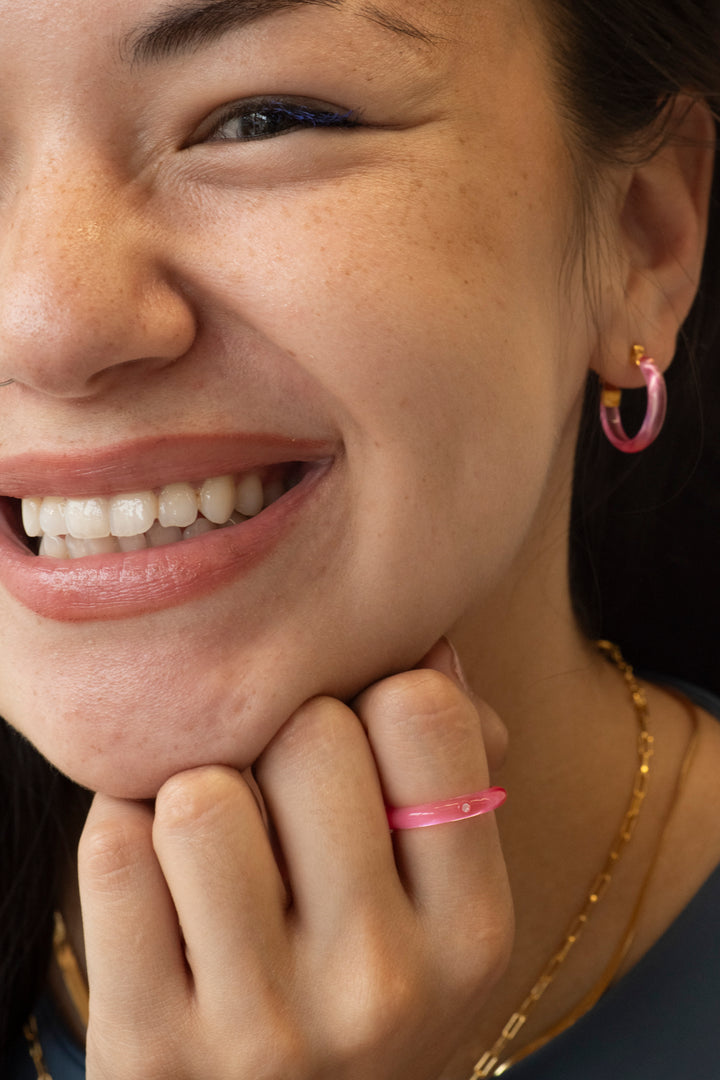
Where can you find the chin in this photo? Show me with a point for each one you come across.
(122, 706)
(125, 722)
(127, 740)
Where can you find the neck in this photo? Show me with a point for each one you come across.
(522, 649)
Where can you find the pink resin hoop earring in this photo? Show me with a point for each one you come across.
(654, 415)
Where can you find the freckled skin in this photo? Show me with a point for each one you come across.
(392, 288)
(407, 293)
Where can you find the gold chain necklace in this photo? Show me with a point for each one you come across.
(489, 1064)
(75, 985)
(31, 1033)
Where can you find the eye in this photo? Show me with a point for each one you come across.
(266, 118)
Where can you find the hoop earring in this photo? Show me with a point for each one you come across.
(654, 416)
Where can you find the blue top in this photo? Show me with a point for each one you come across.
(64, 1059)
(661, 1021)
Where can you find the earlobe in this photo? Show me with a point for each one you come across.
(662, 228)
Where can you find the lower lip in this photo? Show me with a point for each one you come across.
(104, 587)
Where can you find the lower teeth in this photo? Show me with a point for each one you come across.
(67, 547)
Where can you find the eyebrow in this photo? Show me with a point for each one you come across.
(184, 28)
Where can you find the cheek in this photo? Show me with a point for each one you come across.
(426, 321)
(423, 309)
(407, 303)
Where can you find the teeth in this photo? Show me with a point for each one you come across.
(177, 506)
(52, 517)
(31, 516)
(198, 528)
(54, 547)
(87, 519)
(132, 543)
(132, 515)
(217, 499)
(160, 535)
(76, 527)
(78, 548)
(250, 496)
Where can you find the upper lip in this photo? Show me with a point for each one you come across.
(149, 463)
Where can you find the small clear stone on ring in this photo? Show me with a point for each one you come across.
(466, 808)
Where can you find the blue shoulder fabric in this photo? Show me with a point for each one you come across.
(662, 1020)
(659, 1022)
(64, 1059)
(703, 698)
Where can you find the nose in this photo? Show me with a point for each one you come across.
(84, 289)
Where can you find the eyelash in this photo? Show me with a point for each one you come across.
(279, 118)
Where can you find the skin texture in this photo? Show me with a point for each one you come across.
(266, 306)
(404, 291)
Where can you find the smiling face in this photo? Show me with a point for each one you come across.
(377, 292)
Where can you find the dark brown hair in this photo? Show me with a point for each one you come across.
(643, 539)
(644, 531)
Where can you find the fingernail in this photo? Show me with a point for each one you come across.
(443, 657)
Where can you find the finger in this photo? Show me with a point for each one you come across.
(320, 783)
(216, 857)
(134, 948)
(427, 738)
(444, 658)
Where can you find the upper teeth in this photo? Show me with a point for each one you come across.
(148, 513)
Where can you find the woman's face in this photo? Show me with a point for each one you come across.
(375, 292)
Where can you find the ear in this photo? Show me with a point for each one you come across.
(660, 228)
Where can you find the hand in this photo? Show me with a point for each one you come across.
(333, 951)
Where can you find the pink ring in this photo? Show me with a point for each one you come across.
(440, 813)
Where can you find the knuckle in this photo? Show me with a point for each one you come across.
(319, 726)
(372, 1016)
(422, 703)
(272, 1049)
(108, 852)
(423, 693)
(316, 719)
(193, 800)
(381, 993)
